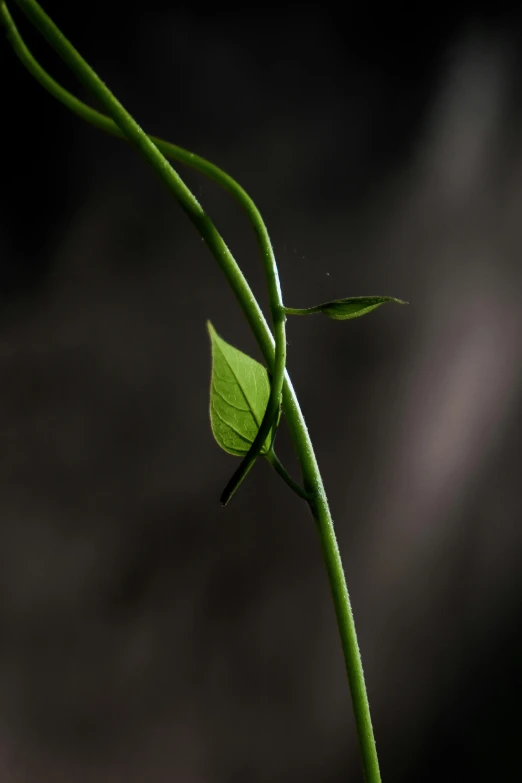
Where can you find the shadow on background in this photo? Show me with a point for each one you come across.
(148, 634)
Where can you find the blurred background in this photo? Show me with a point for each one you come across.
(146, 633)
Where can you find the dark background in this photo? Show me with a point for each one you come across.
(145, 632)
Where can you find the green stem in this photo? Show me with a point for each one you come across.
(281, 470)
(312, 478)
(209, 169)
(302, 310)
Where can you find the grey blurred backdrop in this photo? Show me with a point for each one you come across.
(147, 634)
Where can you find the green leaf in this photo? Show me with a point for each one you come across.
(239, 393)
(343, 309)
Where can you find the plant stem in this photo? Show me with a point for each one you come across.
(302, 310)
(313, 484)
(281, 470)
(170, 150)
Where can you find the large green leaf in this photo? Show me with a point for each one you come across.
(239, 393)
(343, 309)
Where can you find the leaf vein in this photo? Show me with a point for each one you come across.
(236, 407)
(254, 414)
(230, 426)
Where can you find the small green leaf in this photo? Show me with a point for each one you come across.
(239, 393)
(343, 309)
